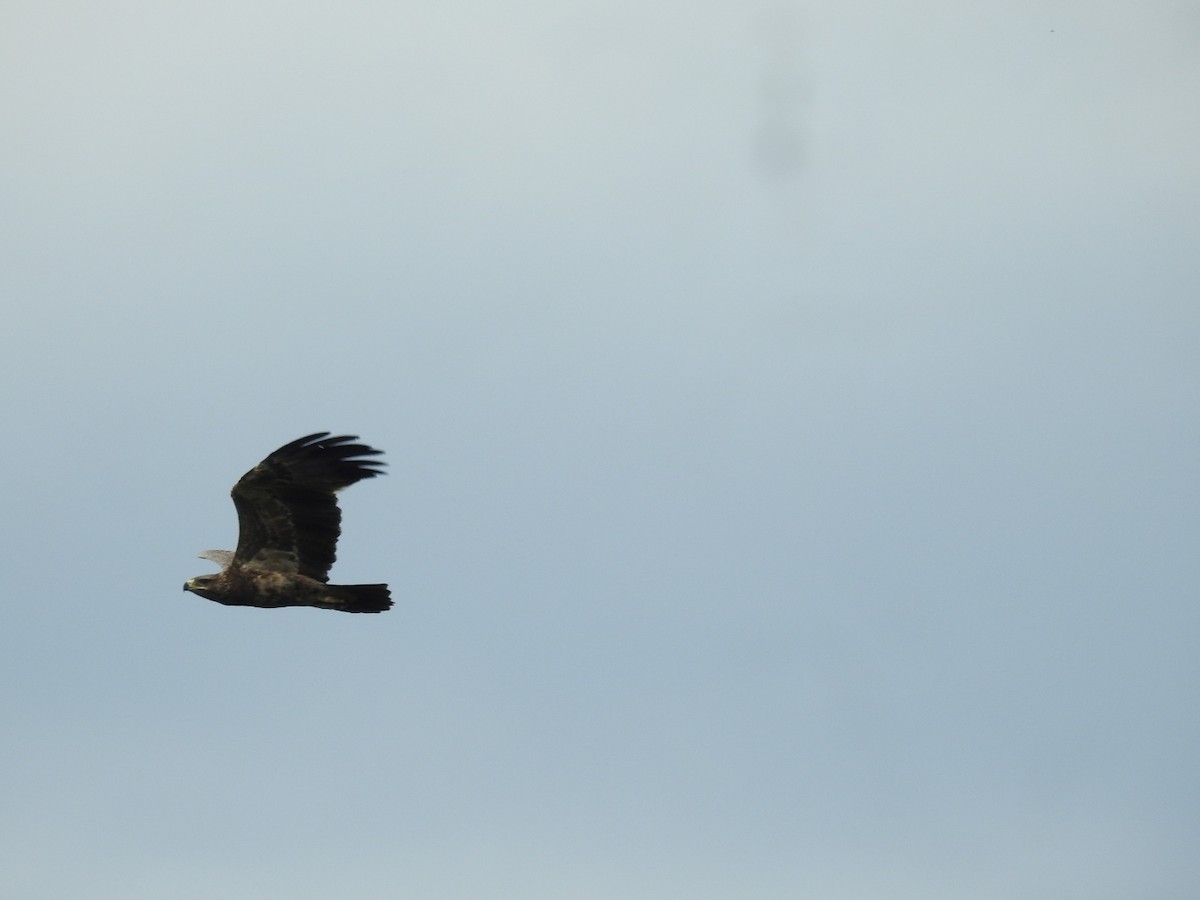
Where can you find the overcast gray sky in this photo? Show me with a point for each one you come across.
(791, 418)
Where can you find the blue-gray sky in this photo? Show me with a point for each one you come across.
(791, 417)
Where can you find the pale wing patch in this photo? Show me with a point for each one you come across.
(276, 560)
(221, 557)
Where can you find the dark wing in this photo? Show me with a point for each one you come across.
(288, 518)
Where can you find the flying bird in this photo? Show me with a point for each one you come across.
(288, 526)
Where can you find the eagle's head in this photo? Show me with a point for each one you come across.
(204, 585)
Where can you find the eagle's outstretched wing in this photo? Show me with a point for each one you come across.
(288, 517)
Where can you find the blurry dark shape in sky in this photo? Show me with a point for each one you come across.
(779, 144)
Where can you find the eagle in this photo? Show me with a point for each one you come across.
(288, 526)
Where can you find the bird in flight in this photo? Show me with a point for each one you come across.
(288, 526)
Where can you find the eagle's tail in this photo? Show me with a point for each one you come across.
(360, 598)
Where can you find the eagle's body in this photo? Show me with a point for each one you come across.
(289, 524)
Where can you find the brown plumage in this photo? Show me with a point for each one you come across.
(288, 526)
